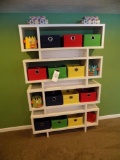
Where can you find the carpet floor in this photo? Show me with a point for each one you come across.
(98, 143)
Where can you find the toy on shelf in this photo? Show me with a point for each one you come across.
(30, 42)
(37, 20)
(90, 20)
(36, 101)
(93, 70)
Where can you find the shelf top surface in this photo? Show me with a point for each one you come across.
(61, 59)
(63, 48)
(61, 25)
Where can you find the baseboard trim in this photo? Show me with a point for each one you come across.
(15, 128)
(29, 126)
(109, 116)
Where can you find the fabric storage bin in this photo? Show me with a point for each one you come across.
(91, 116)
(72, 40)
(75, 120)
(42, 123)
(59, 122)
(53, 98)
(92, 39)
(61, 69)
(70, 96)
(49, 41)
(75, 71)
(87, 95)
(36, 73)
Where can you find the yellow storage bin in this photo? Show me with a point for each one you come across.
(75, 120)
(75, 71)
(70, 96)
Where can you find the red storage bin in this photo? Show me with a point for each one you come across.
(72, 40)
(91, 116)
(87, 95)
(37, 73)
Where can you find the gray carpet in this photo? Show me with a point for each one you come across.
(98, 143)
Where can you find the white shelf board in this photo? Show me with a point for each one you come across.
(60, 25)
(71, 87)
(53, 59)
(34, 88)
(64, 105)
(38, 87)
(62, 79)
(61, 48)
(92, 107)
(58, 129)
(35, 81)
(95, 57)
(37, 114)
(89, 124)
(68, 79)
(37, 109)
(93, 77)
(64, 87)
(30, 50)
(63, 59)
(93, 83)
(73, 48)
(63, 111)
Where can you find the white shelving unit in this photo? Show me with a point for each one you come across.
(61, 55)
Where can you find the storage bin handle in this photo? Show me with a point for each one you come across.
(54, 98)
(59, 121)
(88, 94)
(75, 120)
(41, 124)
(50, 39)
(37, 71)
(76, 69)
(93, 37)
(71, 97)
(72, 38)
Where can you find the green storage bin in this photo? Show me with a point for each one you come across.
(61, 69)
(92, 40)
(59, 122)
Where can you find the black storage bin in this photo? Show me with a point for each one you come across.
(49, 41)
(53, 98)
(42, 123)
